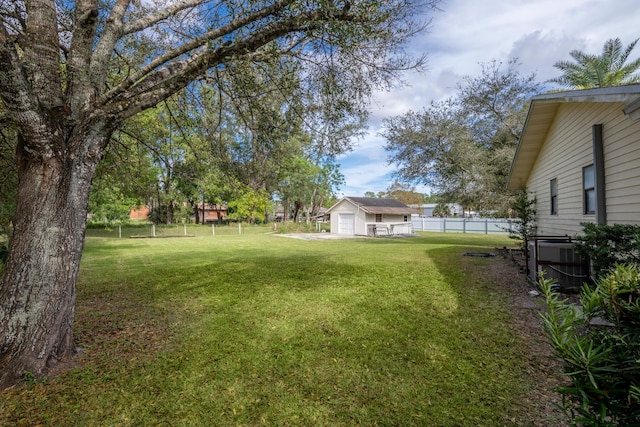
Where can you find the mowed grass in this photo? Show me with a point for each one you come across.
(266, 330)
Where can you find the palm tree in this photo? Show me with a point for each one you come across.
(606, 69)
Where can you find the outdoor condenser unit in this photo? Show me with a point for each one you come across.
(559, 261)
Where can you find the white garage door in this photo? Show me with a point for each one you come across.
(346, 223)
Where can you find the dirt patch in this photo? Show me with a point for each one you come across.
(539, 407)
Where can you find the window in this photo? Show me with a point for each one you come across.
(589, 190)
(378, 217)
(554, 196)
(406, 218)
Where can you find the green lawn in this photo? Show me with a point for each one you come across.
(257, 329)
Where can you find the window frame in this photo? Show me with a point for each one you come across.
(589, 191)
(553, 199)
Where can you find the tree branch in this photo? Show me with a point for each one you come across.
(194, 44)
(158, 16)
(106, 45)
(79, 78)
(41, 60)
(175, 76)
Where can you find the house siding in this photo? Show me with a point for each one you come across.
(568, 148)
(345, 206)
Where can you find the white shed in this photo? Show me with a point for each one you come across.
(368, 216)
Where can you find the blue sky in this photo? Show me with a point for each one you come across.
(468, 32)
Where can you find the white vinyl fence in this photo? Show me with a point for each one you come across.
(464, 225)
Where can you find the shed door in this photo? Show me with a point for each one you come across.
(346, 223)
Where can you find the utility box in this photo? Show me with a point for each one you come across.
(556, 257)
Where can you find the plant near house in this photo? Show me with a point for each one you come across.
(606, 245)
(599, 342)
(524, 224)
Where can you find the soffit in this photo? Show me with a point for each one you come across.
(539, 120)
(542, 114)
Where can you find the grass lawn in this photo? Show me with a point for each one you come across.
(257, 329)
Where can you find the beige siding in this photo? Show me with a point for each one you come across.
(622, 170)
(344, 206)
(568, 148)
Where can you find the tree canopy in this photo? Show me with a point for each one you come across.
(609, 68)
(463, 146)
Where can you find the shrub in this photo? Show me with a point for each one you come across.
(599, 343)
(524, 226)
(606, 245)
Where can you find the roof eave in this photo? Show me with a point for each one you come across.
(546, 106)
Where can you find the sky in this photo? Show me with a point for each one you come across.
(466, 33)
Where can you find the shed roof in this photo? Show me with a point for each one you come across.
(542, 113)
(374, 205)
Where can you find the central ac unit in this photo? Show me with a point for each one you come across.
(558, 261)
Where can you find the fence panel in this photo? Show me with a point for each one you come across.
(463, 225)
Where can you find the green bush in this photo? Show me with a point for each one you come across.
(524, 226)
(599, 342)
(607, 245)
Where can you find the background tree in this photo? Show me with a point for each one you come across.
(296, 186)
(463, 146)
(441, 210)
(249, 205)
(405, 193)
(610, 68)
(66, 91)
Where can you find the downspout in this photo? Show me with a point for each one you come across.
(598, 162)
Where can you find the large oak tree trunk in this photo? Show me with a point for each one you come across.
(37, 293)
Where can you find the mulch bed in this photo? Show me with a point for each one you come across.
(539, 407)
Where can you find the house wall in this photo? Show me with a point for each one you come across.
(211, 214)
(568, 148)
(141, 213)
(389, 218)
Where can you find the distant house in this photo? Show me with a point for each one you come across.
(210, 213)
(370, 216)
(141, 212)
(426, 210)
(579, 156)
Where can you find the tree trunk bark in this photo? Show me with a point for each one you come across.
(37, 291)
(195, 210)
